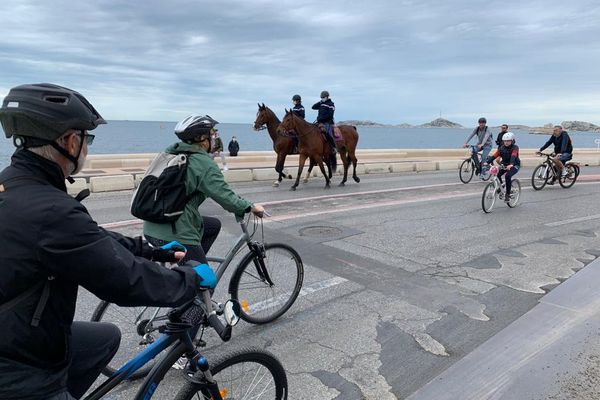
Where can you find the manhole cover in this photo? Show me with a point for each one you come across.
(320, 231)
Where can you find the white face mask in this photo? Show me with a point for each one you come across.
(324, 99)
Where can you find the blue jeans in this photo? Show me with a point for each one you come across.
(485, 152)
(509, 174)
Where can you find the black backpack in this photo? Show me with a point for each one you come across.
(162, 195)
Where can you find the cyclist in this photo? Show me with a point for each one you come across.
(509, 154)
(204, 179)
(563, 148)
(503, 130)
(484, 143)
(50, 245)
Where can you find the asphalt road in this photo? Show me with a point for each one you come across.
(405, 274)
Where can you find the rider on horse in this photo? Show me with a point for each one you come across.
(326, 109)
(298, 107)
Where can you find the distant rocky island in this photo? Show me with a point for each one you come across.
(436, 123)
(578, 126)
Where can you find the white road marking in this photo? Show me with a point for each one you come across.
(573, 220)
(306, 290)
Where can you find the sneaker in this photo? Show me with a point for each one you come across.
(564, 173)
(180, 364)
(225, 168)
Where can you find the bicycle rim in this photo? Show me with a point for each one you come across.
(243, 375)
(133, 323)
(466, 171)
(515, 192)
(488, 199)
(539, 177)
(569, 180)
(262, 302)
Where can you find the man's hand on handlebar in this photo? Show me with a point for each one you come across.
(259, 211)
(538, 153)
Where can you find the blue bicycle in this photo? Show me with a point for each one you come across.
(244, 374)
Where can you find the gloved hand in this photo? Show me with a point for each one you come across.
(167, 252)
(208, 279)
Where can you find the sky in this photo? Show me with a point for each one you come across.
(391, 61)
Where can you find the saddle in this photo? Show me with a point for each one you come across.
(337, 133)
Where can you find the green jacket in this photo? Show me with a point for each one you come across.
(204, 179)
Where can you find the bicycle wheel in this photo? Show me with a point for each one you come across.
(488, 199)
(486, 175)
(466, 171)
(569, 180)
(267, 287)
(515, 193)
(134, 323)
(540, 176)
(245, 374)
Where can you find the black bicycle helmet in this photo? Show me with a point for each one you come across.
(40, 113)
(194, 126)
(296, 97)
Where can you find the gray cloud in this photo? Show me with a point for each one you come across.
(389, 61)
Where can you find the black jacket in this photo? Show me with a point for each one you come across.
(299, 110)
(509, 155)
(233, 148)
(562, 143)
(46, 233)
(499, 138)
(326, 110)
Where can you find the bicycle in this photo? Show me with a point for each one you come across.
(258, 367)
(547, 172)
(469, 167)
(266, 282)
(496, 189)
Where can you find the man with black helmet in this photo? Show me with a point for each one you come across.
(326, 109)
(203, 180)
(298, 107)
(50, 245)
(484, 142)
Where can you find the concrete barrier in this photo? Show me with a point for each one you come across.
(448, 164)
(377, 168)
(238, 175)
(264, 174)
(111, 183)
(402, 167)
(425, 166)
(77, 186)
(531, 162)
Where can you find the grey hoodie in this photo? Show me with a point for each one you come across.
(484, 137)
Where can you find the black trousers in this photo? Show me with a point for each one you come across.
(212, 227)
(93, 345)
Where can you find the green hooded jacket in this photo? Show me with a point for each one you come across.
(204, 179)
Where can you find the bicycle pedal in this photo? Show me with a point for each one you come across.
(199, 343)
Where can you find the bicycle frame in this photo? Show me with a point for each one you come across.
(181, 343)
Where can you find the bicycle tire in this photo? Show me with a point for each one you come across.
(486, 177)
(246, 276)
(537, 181)
(250, 355)
(130, 339)
(468, 169)
(515, 192)
(572, 169)
(488, 199)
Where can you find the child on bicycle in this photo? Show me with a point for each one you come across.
(509, 158)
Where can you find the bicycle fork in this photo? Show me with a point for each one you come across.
(259, 262)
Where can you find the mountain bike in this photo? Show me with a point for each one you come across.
(496, 190)
(469, 167)
(266, 282)
(243, 374)
(547, 173)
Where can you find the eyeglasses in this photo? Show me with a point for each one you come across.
(89, 138)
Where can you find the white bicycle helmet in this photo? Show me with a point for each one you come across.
(508, 136)
(193, 126)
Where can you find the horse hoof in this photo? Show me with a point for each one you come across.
(275, 184)
(327, 186)
(342, 184)
(305, 181)
(289, 177)
(293, 188)
(356, 179)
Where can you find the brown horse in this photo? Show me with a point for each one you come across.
(283, 145)
(314, 146)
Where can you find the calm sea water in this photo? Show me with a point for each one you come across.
(148, 137)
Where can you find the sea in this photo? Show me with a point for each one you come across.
(121, 137)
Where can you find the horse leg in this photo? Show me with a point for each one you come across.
(354, 161)
(279, 169)
(320, 162)
(310, 168)
(300, 168)
(344, 157)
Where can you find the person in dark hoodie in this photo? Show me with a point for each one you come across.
(298, 107)
(326, 109)
(50, 245)
(233, 147)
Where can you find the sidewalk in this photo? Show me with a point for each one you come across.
(551, 352)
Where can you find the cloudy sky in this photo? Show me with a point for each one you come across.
(386, 61)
